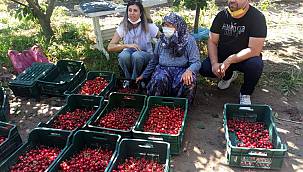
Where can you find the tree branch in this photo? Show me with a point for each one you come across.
(50, 8)
(35, 7)
(17, 2)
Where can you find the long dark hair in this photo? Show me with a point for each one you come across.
(144, 18)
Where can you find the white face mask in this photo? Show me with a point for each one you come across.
(168, 31)
(135, 22)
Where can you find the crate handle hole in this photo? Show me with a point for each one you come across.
(155, 138)
(147, 146)
(257, 153)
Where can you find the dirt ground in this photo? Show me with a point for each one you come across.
(204, 144)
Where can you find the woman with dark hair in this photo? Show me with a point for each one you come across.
(137, 32)
(175, 63)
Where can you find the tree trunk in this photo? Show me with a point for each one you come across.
(196, 24)
(46, 27)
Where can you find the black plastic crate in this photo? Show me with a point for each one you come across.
(109, 76)
(116, 100)
(64, 77)
(39, 136)
(78, 102)
(91, 139)
(13, 140)
(175, 140)
(25, 84)
(4, 106)
(153, 150)
(253, 157)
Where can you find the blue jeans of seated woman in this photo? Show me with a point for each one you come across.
(132, 62)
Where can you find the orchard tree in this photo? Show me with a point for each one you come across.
(41, 13)
(194, 5)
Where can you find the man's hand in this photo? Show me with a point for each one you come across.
(134, 46)
(139, 78)
(216, 70)
(225, 65)
(187, 77)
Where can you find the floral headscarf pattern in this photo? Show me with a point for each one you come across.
(179, 39)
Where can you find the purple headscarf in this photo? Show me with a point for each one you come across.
(179, 39)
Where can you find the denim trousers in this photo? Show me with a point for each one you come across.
(252, 69)
(133, 62)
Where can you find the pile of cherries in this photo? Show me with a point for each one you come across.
(2, 139)
(89, 159)
(72, 120)
(142, 164)
(164, 119)
(250, 134)
(93, 87)
(37, 159)
(119, 118)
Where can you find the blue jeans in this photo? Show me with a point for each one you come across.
(132, 62)
(252, 69)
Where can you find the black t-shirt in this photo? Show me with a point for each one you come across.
(235, 33)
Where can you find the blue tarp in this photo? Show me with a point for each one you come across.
(96, 6)
(202, 34)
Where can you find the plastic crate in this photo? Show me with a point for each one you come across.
(174, 140)
(154, 150)
(64, 77)
(77, 102)
(39, 136)
(25, 84)
(13, 140)
(4, 106)
(253, 157)
(119, 100)
(109, 76)
(85, 138)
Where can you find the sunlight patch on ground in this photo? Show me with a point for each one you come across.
(265, 90)
(281, 130)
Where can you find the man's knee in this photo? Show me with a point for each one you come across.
(137, 57)
(255, 64)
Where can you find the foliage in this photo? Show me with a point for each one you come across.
(39, 11)
(191, 4)
(291, 81)
(264, 5)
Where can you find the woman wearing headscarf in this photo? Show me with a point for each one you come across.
(136, 30)
(175, 63)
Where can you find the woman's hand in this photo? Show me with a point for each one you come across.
(134, 46)
(139, 78)
(187, 77)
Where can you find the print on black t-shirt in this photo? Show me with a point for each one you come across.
(232, 29)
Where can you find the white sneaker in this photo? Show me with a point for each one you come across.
(225, 84)
(245, 99)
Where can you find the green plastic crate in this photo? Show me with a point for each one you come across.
(85, 138)
(4, 105)
(174, 140)
(39, 136)
(253, 157)
(119, 100)
(77, 102)
(155, 150)
(25, 84)
(109, 76)
(13, 140)
(64, 77)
